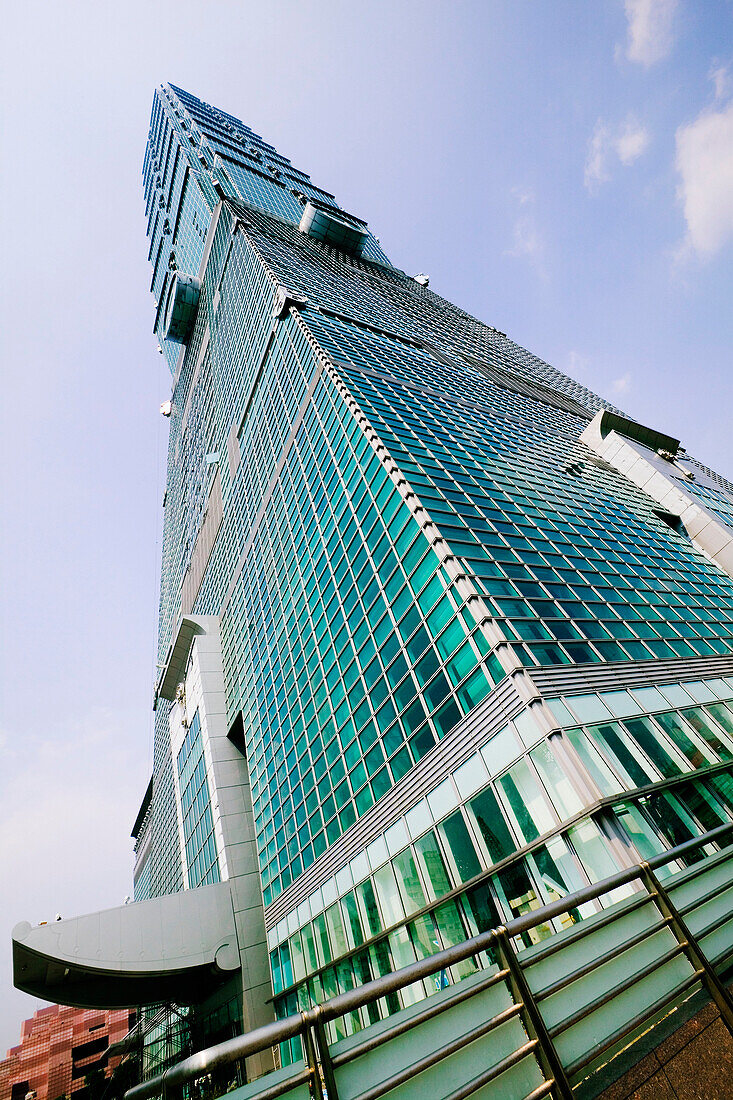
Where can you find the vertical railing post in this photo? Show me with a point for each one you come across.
(547, 1056)
(324, 1054)
(309, 1054)
(691, 947)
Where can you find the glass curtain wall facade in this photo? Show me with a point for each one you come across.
(471, 660)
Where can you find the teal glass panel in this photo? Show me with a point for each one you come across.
(722, 714)
(480, 905)
(676, 729)
(607, 782)
(722, 787)
(198, 825)
(411, 891)
(561, 791)
(432, 866)
(709, 732)
(698, 803)
(336, 931)
(352, 921)
(519, 895)
(297, 957)
(643, 732)
(526, 802)
(321, 941)
(594, 854)
(611, 739)
(645, 838)
(368, 909)
(424, 935)
(492, 826)
(665, 813)
(448, 919)
(388, 893)
(459, 846)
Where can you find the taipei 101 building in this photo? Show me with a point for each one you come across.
(444, 639)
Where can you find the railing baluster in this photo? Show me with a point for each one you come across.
(309, 1054)
(547, 1055)
(324, 1053)
(691, 947)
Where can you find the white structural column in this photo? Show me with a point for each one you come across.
(652, 462)
(198, 668)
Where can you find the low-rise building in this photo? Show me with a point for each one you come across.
(59, 1049)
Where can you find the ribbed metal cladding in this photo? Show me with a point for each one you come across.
(477, 728)
(572, 680)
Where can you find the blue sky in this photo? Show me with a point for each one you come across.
(563, 169)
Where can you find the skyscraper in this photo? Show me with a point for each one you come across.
(443, 635)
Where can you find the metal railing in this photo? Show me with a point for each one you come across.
(544, 1041)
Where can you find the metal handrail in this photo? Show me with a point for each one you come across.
(484, 876)
(270, 1035)
(459, 995)
(613, 882)
(589, 967)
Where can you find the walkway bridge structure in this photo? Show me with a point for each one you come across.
(560, 1018)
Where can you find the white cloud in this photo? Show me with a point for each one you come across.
(651, 29)
(596, 163)
(577, 364)
(624, 143)
(631, 142)
(528, 241)
(704, 162)
(622, 384)
(720, 77)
